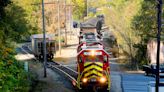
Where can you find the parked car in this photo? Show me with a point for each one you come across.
(151, 69)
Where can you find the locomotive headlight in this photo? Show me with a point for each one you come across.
(92, 52)
(103, 79)
(84, 80)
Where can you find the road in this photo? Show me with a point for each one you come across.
(115, 76)
(132, 82)
(135, 82)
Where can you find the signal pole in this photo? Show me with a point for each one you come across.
(159, 14)
(44, 41)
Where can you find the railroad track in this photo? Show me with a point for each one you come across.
(68, 72)
(71, 74)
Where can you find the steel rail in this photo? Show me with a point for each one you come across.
(69, 71)
(65, 73)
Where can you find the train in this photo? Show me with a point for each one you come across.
(37, 46)
(93, 65)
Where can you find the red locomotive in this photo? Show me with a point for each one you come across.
(93, 67)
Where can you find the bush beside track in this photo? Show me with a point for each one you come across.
(13, 78)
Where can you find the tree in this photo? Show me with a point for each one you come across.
(145, 23)
(119, 17)
(15, 23)
(79, 9)
(18, 20)
(3, 3)
(134, 24)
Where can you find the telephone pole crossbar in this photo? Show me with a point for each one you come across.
(49, 3)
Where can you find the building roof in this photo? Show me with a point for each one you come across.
(41, 36)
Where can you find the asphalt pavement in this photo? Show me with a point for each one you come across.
(136, 82)
(116, 82)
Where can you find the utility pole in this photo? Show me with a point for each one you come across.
(59, 33)
(70, 26)
(65, 22)
(44, 41)
(86, 3)
(159, 14)
(87, 8)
